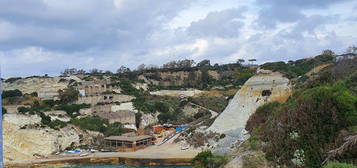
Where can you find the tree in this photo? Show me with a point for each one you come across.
(152, 67)
(69, 72)
(68, 95)
(252, 61)
(11, 93)
(141, 67)
(81, 71)
(240, 61)
(96, 71)
(205, 62)
(352, 49)
(328, 52)
(170, 65)
(108, 72)
(123, 69)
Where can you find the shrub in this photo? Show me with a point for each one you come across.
(207, 160)
(92, 123)
(72, 109)
(57, 124)
(339, 165)
(95, 123)
(68, 95)
(311, 126)
(4, 111)
(23, 109)
(11, 93)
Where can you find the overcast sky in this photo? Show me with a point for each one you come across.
(46, 36)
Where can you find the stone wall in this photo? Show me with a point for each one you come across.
(107, 98)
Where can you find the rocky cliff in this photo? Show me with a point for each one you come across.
(22, 143)
(45, 87)
(264, 87)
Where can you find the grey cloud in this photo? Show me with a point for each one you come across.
(275, 11)
(219, 24)
(85, 24)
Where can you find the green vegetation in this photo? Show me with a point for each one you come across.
(315, 120)
(72, 109)
(339, 165)
(214, 103)
(95, 123)
(23, 110)
(68, 95)
(206, 159)
(297, 68)
(11, 93)
(128, 89)
(4, 111)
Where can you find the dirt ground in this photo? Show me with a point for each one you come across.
(165, 151)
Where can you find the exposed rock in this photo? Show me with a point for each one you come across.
(22, 144)
(93, 100)
(189, 111)
(177, 93)
(58, 115)
(122, 116)
(45, 87)
(148, 119)
(123, 106)
(249, 98)
(249, 159)
(12, 109)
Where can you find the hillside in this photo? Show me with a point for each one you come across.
(295, 114)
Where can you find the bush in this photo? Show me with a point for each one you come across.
(207, 160)
(72, 109)
(339, 165)
(68, 95)
(56, 124)
(23, 110)
(95, 123)
(4, 111)
(309, 124)
(92, 123)
(11, 93)
(114, 129)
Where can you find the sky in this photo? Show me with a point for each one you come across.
(40, 37)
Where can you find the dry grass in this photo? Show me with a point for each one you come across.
(217, 93)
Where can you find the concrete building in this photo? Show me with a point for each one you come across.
(129, 143)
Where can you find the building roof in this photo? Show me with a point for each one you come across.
(128, 138)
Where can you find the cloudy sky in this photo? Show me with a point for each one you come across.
(46, 36)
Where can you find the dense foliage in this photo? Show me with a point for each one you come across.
(302, 131)
(11, 93)
(68, 95)
(297, 68)
(72, 109)
(206, 159)
(95, 123)
(339, 165)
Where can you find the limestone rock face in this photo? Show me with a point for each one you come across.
(262, 88)
(23, 144)
(45, 87)
(148, 119)
(177, 93)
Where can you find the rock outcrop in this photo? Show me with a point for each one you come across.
(22, 143)
(262, 88)
(45, 87)
(177, 93)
